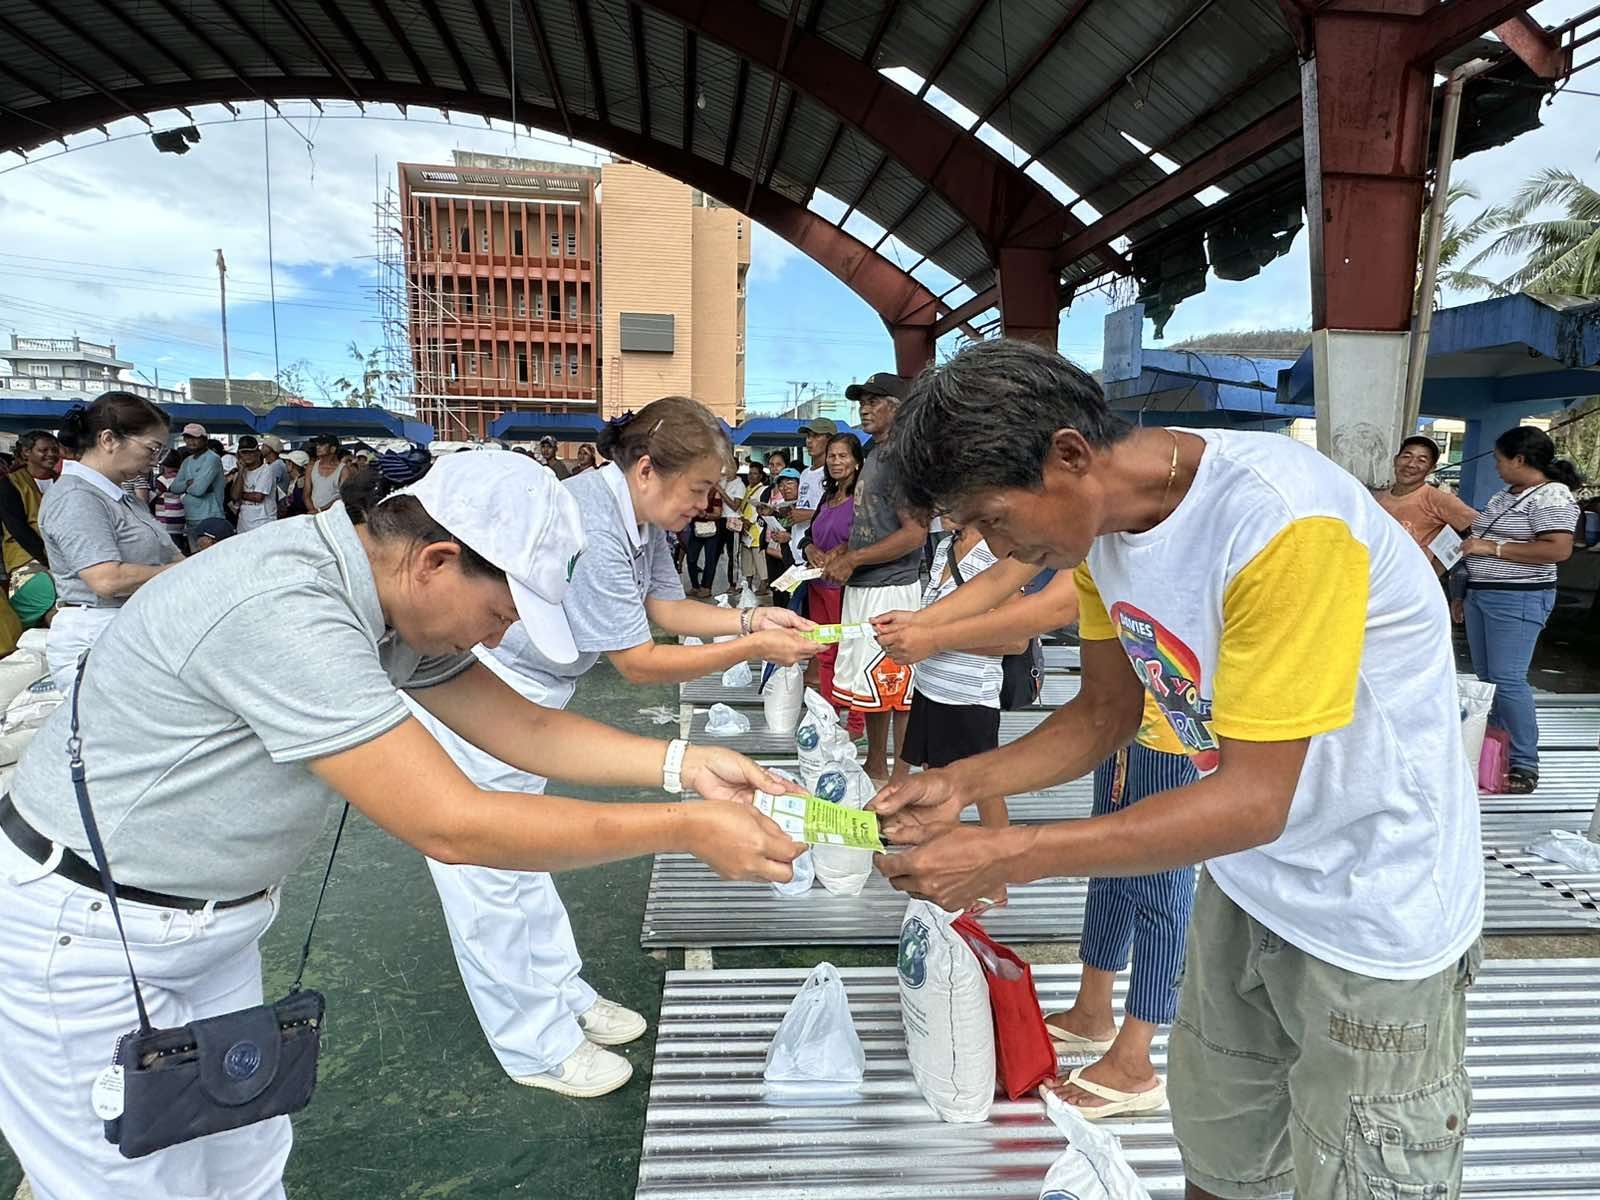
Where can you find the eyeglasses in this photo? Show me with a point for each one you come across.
(152, 448)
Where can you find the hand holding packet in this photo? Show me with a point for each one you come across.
(816, 822)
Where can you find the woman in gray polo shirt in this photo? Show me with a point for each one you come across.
(209, 798)
(103, 544)
(512, 937)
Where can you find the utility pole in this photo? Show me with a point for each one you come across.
(222, 287)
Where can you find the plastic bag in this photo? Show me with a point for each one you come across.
(782, 696)
(18, 671)
(738, 676)
(1572, 849)
(944, 1005)
(659, 714)
(747, 597)
(843, 870)
(1092, 1167)
(820, 741)
(691, 640)
(1023, 1052)
(723, 721)
(805, 874)
(1494, 761)
(1476, 699)
(816, 1054)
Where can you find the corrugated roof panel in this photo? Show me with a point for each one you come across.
(461, 19)
(848, 24)
(810, 133)
(717, 76)
(613, 38)
(1533, 1029)
(687, 905)
(755, 117)
(664, 46)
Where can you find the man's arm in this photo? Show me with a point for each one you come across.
(1072, 741)
(1244, 803)
(912, 637)
(911, 534)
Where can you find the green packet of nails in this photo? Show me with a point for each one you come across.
(828, 635)
(818, 822)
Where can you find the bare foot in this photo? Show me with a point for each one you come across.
(1074, 1021)
(1110, 1074)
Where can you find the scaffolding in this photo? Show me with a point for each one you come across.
(418, 326)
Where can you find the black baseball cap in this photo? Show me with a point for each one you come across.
(884, 383)
(248, 442)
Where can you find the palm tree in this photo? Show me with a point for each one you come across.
(1457, 239)
(1560, 256)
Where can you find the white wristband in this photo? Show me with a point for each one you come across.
(672, 767)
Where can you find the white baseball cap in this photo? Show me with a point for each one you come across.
(513, 512)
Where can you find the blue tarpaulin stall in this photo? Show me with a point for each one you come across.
(296, 422)
(528, 426)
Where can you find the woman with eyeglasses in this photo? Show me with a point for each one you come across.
(103, 544)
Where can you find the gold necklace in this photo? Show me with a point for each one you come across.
(1172, 473)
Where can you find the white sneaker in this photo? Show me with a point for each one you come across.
(587, 1072)
(609, 1024)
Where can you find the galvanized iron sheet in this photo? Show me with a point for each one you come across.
(688, 905)
(1532, 1035)
(1506, 841)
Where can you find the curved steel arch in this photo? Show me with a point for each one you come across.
(908, 308)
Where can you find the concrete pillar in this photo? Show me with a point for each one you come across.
(1030, 294)
(1367, 105)
(913, 348)
(1479, 480)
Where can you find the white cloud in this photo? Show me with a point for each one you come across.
(769, 255)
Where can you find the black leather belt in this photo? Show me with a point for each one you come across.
(71, 867)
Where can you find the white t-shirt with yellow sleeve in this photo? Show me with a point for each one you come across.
(1278, 601)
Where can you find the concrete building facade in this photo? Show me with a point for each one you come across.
(558, 288)
(71, 369)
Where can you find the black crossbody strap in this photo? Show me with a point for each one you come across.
(80, 785)
(950, 558)
(305, 950)
(1511, 508)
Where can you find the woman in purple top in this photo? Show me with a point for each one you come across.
(830, 533)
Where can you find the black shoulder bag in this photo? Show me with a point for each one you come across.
(1021, 675)
(214, 1074)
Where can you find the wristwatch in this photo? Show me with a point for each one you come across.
(672, 767)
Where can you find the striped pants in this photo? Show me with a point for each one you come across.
(1147, 914)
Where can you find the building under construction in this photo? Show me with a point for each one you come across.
(509, 302)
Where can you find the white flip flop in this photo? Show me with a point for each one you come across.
(1067, 1042)
(1117, 1104)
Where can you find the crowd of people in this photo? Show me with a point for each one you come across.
(432, 619)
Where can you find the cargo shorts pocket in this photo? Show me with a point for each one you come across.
(1408, 1146)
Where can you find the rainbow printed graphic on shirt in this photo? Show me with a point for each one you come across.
(1170, 672)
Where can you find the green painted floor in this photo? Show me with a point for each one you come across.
(411, 1104)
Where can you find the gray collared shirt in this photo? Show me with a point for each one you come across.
(85, 520)
(204, 703)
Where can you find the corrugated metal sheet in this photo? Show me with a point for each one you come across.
(688, 905)
(1533, 1049)
(1506, 840)
(1059, 687)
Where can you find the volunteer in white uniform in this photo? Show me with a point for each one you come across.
(103, 544)
(358, 602)
(512, 939)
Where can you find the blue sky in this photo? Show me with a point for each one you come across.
(113, 240)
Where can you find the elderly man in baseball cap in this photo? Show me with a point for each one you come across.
(881, 570)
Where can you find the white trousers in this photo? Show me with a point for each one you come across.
(72, 632)
(510, 932)
(65, 999)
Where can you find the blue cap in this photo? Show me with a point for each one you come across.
(788, 473)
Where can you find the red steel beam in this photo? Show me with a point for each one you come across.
(1447, 26)
(1226, 157)
(897, 298)
(1536, 46)
(990, 193)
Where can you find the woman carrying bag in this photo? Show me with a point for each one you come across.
(513, 941)
(1511, 557)
(210, 799)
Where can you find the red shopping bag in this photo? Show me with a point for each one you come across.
(1023, 1053)
(1494, 760)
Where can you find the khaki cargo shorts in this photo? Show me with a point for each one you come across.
(1288, 1073)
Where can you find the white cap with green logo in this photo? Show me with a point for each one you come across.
(514, 513)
